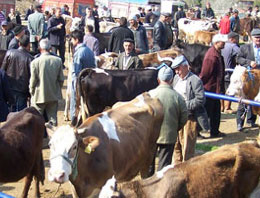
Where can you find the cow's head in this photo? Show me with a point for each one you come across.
(236, 83)
(64, 146)
(75, 24)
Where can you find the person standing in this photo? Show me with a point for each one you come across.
(118, 35)
(212, 76)
(159, 33)
(2, 16)
(91, 41)
(235, 22)
(29, 12)
(190, 87)
(208, 12)
(6, 36)
(249, 55)
(175, 117)
(18, 33)
(128, 59)
(57, 33)
(179, 14)
(140, 37)
(16, 64)
(224, 24)
(36, 27)
(197, 13)
(14, 17)
(66, 10)
(229, 54)
(46, 82)
(83, 58)
(89, 19)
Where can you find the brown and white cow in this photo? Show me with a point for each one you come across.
(230, 171)
(120, 142)
(203, 37)
(21, 149)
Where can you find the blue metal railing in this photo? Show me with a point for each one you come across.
(3, 195)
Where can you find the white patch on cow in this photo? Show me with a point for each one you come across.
(236, 84)
(100, 71)
(140, 102)
(109, 126)
(160, 173)
(108, 189)
(62, 143)
(257, 98)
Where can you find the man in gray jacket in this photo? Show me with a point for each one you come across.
(36, 27)
(191, 88)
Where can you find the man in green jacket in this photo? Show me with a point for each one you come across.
(46, 82)
(175, 116)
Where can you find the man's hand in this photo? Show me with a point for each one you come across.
(253, 64)
(59, 26)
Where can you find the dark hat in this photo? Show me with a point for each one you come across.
(4, 23)
(18, 29)
(129, 40)
(38, 6)
(167, 14)
(232, 35)
(235, 11)
(255, 32)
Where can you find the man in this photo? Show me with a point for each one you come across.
(197, 13)
(179, 14)
(249, 55)
(2, 16)
(95, 12)
(190, 87)
(169, 32)
(14, 17)
(16, 64)
(229, 54)
(140, 37)
(118, 35)
(175, 117)
(57, 33)
(159, 33)
(149, 16)
(6, 36)
(18, 33)
(235, 22)
(128, 59)
(36, 27)
(212, 76)
(224, 24)
(89, 19)
(91, 41)
(46, 82)
(83, 58)
(66, 10)
(255, 11)
(208, 12)
(29, 12)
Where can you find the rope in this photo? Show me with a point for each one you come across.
(56, 191)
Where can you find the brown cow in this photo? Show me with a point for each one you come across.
(152, 58)
(231, 171)
(21, 149)
(203, 37)
(246, 26)
(120, 141)
(106, 60)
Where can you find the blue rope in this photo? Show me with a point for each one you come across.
(162, 65)
(250, 75)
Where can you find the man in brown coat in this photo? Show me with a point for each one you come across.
(212, 76)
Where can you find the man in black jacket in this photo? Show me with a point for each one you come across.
(16, 64)
(118, 35)
(56, 30)
(159, 33)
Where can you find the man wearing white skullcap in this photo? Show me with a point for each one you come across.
(175, 116)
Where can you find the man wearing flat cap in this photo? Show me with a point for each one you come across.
(6, 36)
(212, 76)
(249, 55)
(128, 59)
(229, 54)
(235, 22)
(159, 33)
(175, 117)
(18, 32)
(190, 87)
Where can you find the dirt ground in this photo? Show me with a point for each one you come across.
(48, 190)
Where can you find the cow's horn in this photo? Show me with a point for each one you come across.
(164, 59)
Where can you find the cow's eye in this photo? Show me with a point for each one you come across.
(72, 151)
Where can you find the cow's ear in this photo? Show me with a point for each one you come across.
(91, 143)
(50, 129)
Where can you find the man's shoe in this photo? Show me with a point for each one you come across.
(217, 135)
(239, 128)
(252, 125)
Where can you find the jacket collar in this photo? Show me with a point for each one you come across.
(79, 46)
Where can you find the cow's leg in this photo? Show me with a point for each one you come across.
(27, 184)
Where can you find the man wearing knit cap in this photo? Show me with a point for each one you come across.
(191, 88)
(175, 117)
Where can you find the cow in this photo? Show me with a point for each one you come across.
(151, 59)
(21, 140)
(203, 37)
(106, 60)
(194, 53)
(120, 141)
(245, 84)
(98, 88)
(230, 171)
(246, 26)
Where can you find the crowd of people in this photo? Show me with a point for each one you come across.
(37, 80)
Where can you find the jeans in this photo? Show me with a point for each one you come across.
(61, 48)
(20, 103)
(241, 115)
(73, 99)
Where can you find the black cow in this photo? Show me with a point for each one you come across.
(101, 88)
(194, 53)
(103, 39)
